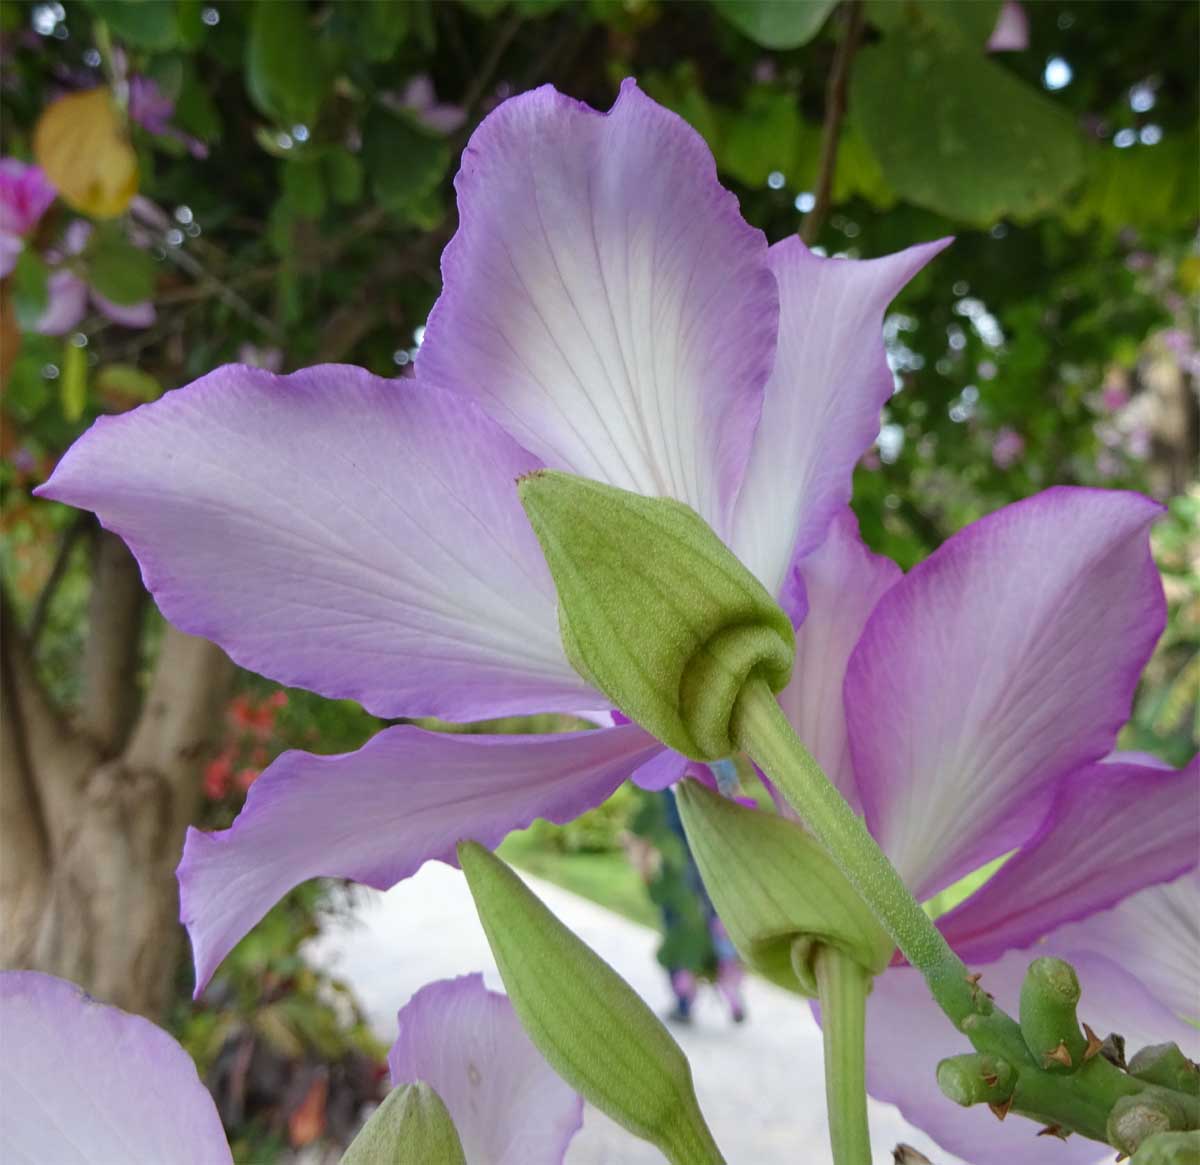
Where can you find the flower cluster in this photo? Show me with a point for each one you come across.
(607, 311)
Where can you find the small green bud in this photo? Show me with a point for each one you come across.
(1134, 1119)
(1169, 1149)
(655, 610)
(592, 1027)
(1051, 1031)
(1165, 1064)
(411, 1127)
(976, 1079)
(777, 891)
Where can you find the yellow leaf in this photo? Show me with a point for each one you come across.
(81, 144)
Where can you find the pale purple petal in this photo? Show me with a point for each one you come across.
(1112, 829)
(376, 815)
(1001, 664)
(128, 315)
(843, 581)
(25, 195)
(1011, 34)
(11, 247)
(1145, 952)
(662, 771)
(357, 536)
(604, 300)
(82, 1083)
(66, 304)
(507, 1103)
(822, 401)
(907, 1035)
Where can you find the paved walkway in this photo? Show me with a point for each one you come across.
(760, 1085)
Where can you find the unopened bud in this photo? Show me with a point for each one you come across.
(654, 610)
(411, 1127)
(1169, 1149)
(1135, 1119)
(777, 891)
(1050, 1029)
(1165, 1064)
(592, 1028)
(976, 1079)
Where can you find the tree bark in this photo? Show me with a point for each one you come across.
(93, 813)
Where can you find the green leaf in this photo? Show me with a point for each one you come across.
(776, 24)
(773, 885)
(967, 23)
(304, 189)
(654, 609)
(145, 24)
(118, 270)
(30, 279)
(403, 161)
(957, 133)
(73, 381)
(284, 73)
(411, 1127)
(592, 1027)
(768, 133)
(128, 381)
(344, 175)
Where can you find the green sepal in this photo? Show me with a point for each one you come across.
(411, 1127)
(655, 610)
(1169, 1149)
(1049, 995)
(1166, 1065)
(777, 891)
(592, 1027)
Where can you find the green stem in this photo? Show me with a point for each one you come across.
(842, 990)
(763, 731)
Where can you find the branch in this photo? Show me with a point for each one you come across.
(24, 839)
(51, 757)
(62, 559)
(181, 713)
(835, 112)
(110, 655)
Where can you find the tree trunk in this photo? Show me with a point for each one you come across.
(93, 812)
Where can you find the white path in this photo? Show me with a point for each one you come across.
(759, 1085)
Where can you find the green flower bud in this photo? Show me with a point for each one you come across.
(592, 1027)
(777, 891)
(655, 610)
(976, 1079)
(411, 1127)
(1135, 1119)
(1169, 1149)
(1048, 1023)
(1165, 1064)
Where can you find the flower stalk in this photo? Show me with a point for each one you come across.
(1049, 1072)
(842, 987)
(762, 730)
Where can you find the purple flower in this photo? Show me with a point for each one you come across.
(25, 195)
(507, 1103)
(605, 310)
(81, 1081)
(420, 99)
(1007, 448)
(68, 293)
(969, 710)
(152, 109)
(1011, 34)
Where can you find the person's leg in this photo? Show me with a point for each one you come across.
(730, 971)
(683, 984)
